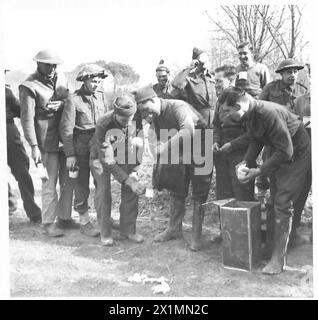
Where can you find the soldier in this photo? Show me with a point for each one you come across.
(114, 153)
(81, 112)
(272, 124)
(18, 160)
(224, 77)
(258, 74)
(284, 91)
(183, 118)
(163, 88)
(42, 96)
(196, 85)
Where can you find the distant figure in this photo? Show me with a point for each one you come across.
(163, 88)
(42, 97)
(18, 161)
(285, 90)
(196, 85)
(258, 74)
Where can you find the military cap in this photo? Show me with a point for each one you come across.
(289, 63)
(124, 106)
(90, 71)
(162, 67)
(196, 53)
(48, 56)
(144, 93)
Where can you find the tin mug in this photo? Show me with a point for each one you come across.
(73, 172)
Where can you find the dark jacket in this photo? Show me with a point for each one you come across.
(198, 90)
(229, 127)
(277, 91)
(167, 92)
(12, 105)
(179, 115)
(271, 124)
(112, 145)
(81, 112)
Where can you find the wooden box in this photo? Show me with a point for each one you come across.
(241, 234)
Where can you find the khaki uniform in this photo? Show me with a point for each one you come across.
(80, 115)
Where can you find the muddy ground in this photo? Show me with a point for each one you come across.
(78, 266)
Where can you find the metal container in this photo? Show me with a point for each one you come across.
(241, 234)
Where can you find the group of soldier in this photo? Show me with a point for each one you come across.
(80, 133)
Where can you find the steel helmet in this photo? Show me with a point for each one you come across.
(90, 71)
(48, 56)
(288, 63)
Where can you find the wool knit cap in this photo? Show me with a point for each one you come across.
(195, 53)
(124, 106)
(144, 93)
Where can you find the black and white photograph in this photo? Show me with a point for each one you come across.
(157, 150)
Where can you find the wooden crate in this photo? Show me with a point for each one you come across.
(241, 234)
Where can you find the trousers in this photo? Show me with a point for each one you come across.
(19, 164)
(54, 163)
(128, 208)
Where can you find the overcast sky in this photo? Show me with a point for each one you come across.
(139, 33)
(139, 36)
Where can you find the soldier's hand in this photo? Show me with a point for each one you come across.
(216, 147)
(251, 173)
(226, 148)
(135, 186)
(36, 154)
(70, 162)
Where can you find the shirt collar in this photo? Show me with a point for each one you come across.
(45, 79)
(84, 92)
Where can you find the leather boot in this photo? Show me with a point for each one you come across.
(174, 230)
(281, 237)
(197, 220)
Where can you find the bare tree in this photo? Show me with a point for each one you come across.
(266, 27)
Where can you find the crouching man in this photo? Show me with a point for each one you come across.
(114, 152)
(271, 124)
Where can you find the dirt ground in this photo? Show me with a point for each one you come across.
(78, 266)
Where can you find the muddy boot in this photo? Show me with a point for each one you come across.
(278, 259)
(197, 220)
(174, 230)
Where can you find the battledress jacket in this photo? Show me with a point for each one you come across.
(109, 137)
(273, 125)
(82, 109)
